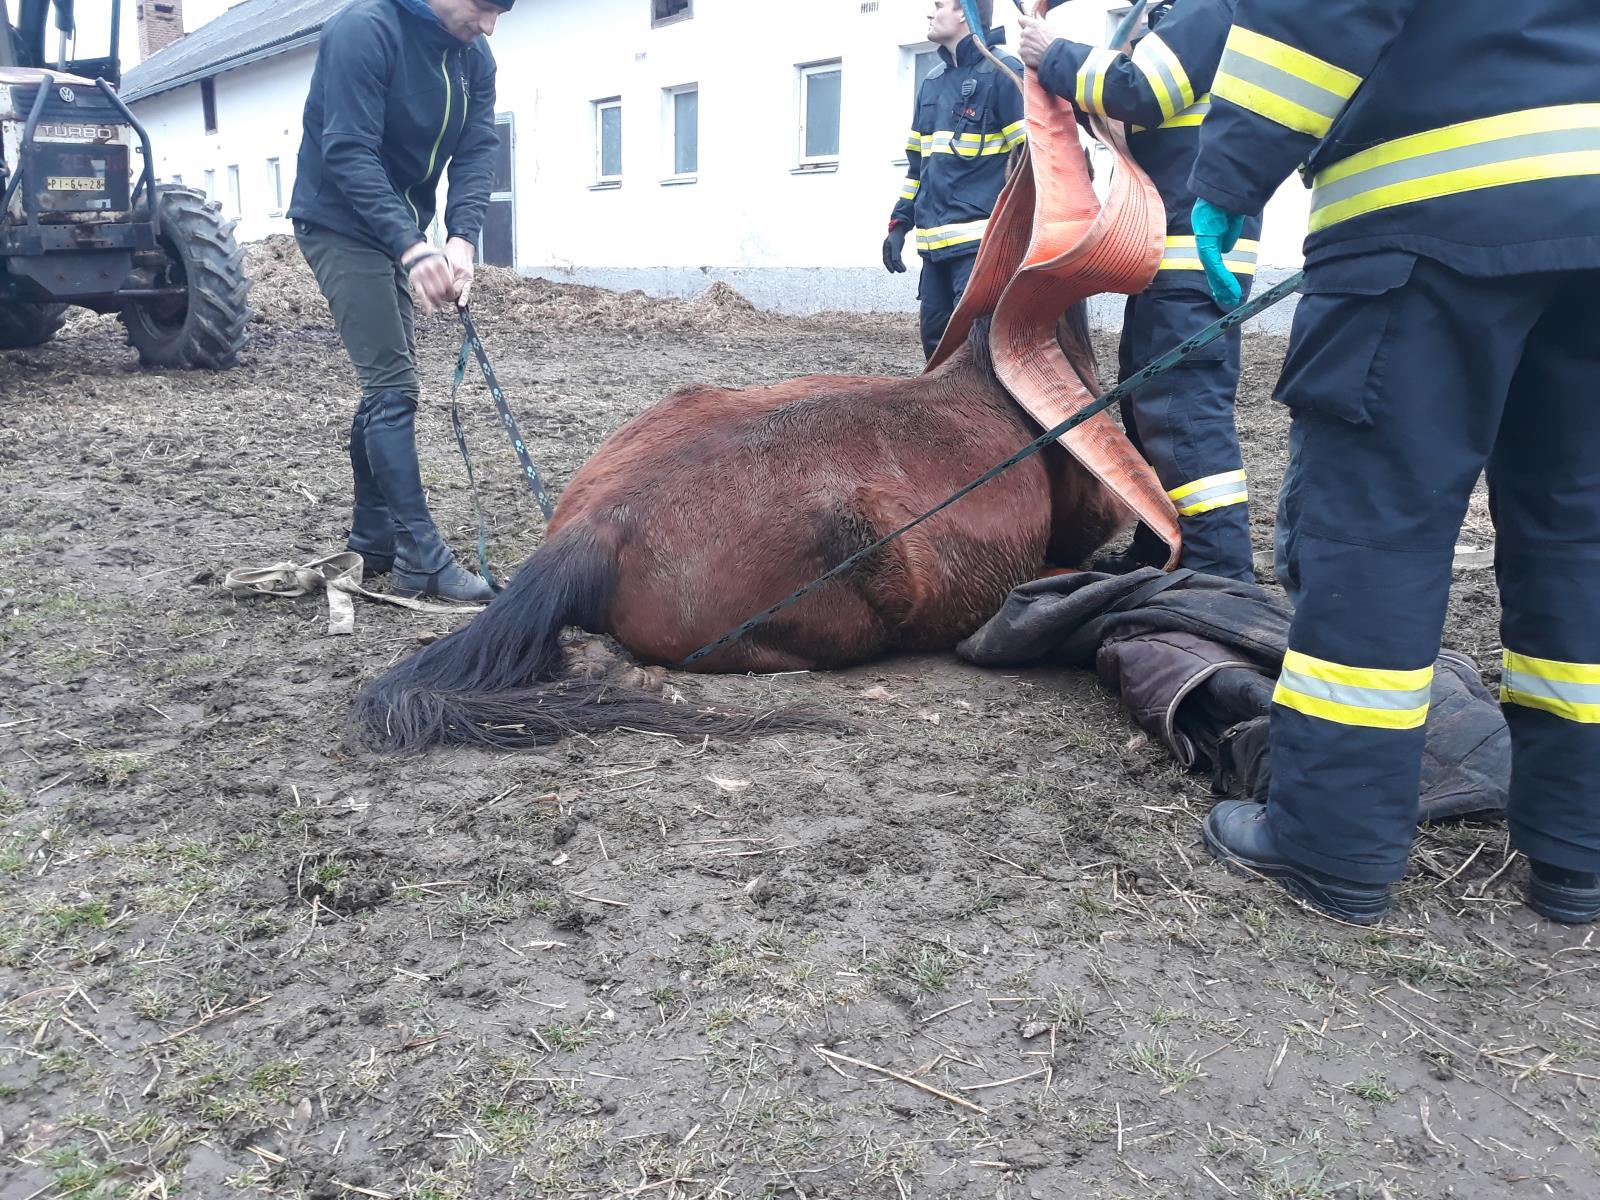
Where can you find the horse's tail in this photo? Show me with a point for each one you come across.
(492, 683)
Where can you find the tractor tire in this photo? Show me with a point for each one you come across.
(206, 328)
(24, 325)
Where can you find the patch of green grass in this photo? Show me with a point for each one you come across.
(190, 664)
(1374, 1088)
(112, 767)
(12, 862)
(1158, 1058)
(74, 1173)
(64, 661)
(1283, 1186)
(92, 914)
(1070, 1014)
(567, 1037)
(722, 1018)
(62, 1062)
(1162, 1016)
(275, 1078)
(69, 607)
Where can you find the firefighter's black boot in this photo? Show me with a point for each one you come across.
(1237, 835)
(371, 528)
(423, 564)
(1571, 897)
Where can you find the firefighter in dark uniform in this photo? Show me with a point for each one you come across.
(968, 119)
(1183, 422)
(1450, 323)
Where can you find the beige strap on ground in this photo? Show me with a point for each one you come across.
(340, 575)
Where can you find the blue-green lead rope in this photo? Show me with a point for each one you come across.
(472, 345)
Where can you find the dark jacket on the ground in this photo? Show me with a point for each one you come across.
(394, 97)
(1193, 658)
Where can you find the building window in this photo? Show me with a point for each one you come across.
(208, 103)
(274, 188)
(608, 140)
(234, 210)
(820, 96)
(683, 118)
(211, 185)
(665, 12)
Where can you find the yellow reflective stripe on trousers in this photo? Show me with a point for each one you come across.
(1164, 73)
(1091, 93)
(1182, 255)
(1567, 689)
(1283, 84)
(1559, 142)
(958, 234)
(909, 189)
(1373, 698)
(1212, 492)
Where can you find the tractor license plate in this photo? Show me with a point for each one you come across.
(74, 183)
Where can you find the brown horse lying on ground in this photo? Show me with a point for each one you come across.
(717, 502)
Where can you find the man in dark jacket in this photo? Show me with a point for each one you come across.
(401, 88)
(968, 118)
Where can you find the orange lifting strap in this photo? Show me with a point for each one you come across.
(1050, 244)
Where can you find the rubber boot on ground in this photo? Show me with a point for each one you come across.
(423, 564)
(371, 528)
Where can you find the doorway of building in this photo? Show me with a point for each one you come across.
(498, 245)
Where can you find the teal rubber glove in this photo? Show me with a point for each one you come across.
(1216, 232)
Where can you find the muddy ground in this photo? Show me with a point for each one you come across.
(237, 960)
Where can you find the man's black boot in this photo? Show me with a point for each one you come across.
(371, 528)
(1236, 834)
(1571, 897)
(423, 564)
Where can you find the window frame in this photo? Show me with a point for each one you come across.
(669, 132)
(208, 105)
(658, 22)
(597, 111)
(805, 73)
(908, 64)
(275, 187)
(235, 210)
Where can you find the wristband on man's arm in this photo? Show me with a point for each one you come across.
(408, 267)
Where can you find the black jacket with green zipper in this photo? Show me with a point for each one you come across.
(394, 97)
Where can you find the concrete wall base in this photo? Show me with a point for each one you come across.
(807, 290)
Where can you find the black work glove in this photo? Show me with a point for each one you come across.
(893, 249)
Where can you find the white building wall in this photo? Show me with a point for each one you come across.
(793, 240)
(258, 118)
(796, 241)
